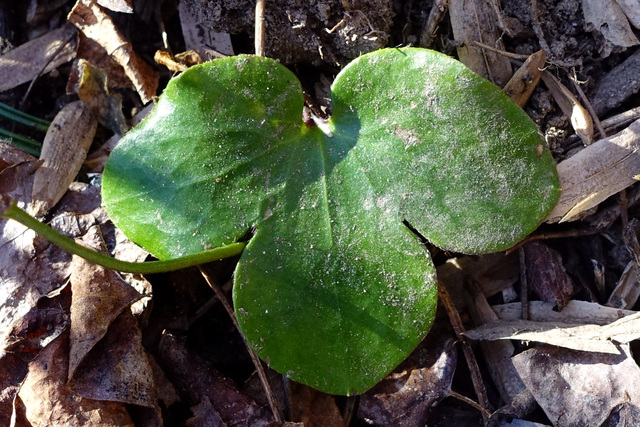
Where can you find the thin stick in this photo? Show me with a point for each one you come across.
(456, 323)
(256, 361)
(485, 414)
(260, 28)
(68, 244)
(524, 286)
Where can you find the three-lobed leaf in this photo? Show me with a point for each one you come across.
(333, 289)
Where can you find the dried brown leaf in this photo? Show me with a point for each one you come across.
(64, 149)
(404, 397)
(94, 53)
(117, 368)
(96, 24)
(579, 388)
(50, 402)
(313, 408)
(476, 20)
(27, 61)
(196, 380)
(99, 296)
(44, 322)
(546, 276)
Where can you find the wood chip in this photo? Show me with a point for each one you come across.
(598, 171)
(27, 61)
(94, 22)
(64, 149)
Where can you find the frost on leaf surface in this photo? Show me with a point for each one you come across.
(332, 289)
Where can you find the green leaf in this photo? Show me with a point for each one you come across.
(333, 289)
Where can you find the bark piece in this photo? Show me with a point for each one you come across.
(525, 79)
(617, 85)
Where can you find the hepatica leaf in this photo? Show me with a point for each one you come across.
(333, 289)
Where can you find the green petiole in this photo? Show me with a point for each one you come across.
(17, 214)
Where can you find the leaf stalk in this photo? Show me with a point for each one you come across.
(152, 267)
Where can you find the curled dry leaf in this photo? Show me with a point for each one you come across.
(94, 91)
(94, 22)
(50, 402)
(578, 388)
(525, 79)
(475, 21)
(598, 171)
(27, 61)
(64, 149)
(626, 292)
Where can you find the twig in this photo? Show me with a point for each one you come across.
(485, 413)
(260, 28)
(456, 323)
(524, 288)
(277, 415)
(517, 56)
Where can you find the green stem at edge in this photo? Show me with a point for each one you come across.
(17, 214)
